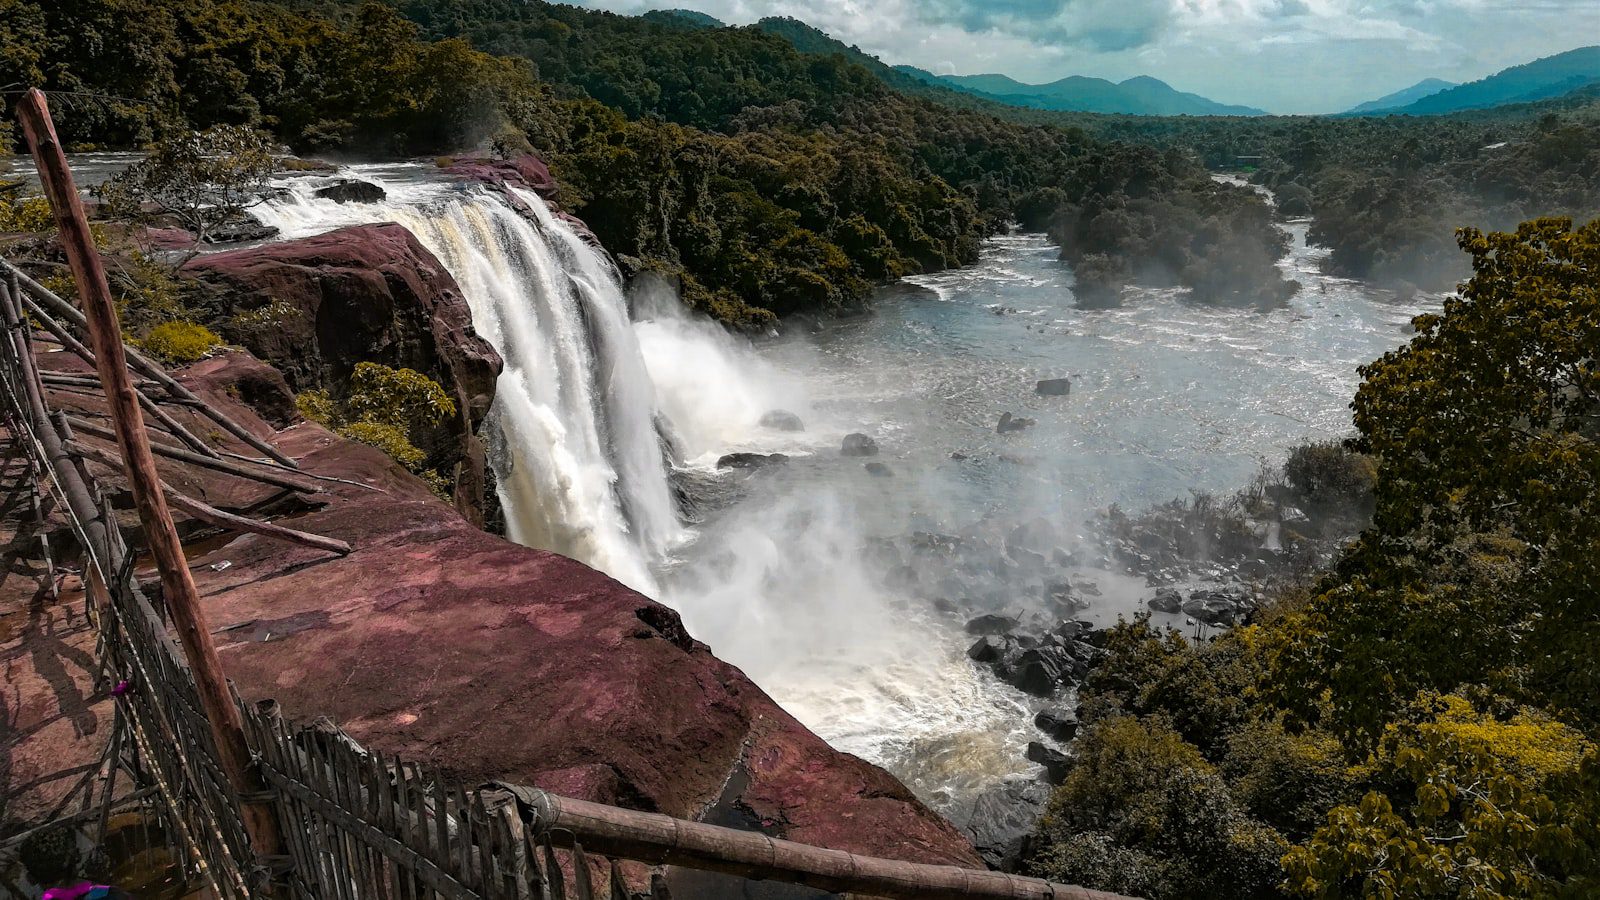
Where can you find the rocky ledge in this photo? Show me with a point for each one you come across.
(316, 307)
(439, 642)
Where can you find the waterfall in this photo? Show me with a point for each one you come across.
(582, 470)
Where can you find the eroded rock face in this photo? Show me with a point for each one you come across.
(315, 307)
(526, 172)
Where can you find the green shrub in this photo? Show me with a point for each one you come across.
(385, 408)
(24, 215)
(1160, 808)
(180, 342)
(1330, 477)
(399, 398)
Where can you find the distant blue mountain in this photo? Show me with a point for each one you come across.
(1142, 95)
(1427, 87)
(1541, 79)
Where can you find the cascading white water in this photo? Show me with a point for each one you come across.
(584, 473)
(782, 588)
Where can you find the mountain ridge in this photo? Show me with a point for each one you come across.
(1427, 87)
(1543, 78)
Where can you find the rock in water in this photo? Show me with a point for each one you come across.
(879, 469)
(990, 623)
(1003, 820)
(353, 191)
(987, 649)
(782, 420)
(1054, 761)
(1166, 600)
(857, 444)
(1039, 671)
(1010, 423)
(751, 460)
(238, 232)
(1054, 387)
(1060, 722)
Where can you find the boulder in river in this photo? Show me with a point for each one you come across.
(1056, 764)
(782, 420)
(351, 190)
(751, 460)
(1166, 600)
(858, 444)
(990, 648)
(1003, 820)
(991, 623)
(1037, 670)
(1053, 387)
(241, 230)
(1009, 423)
(879, 469)
(1059, 721)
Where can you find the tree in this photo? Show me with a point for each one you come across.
(202, 179)
(1480, 566)
(1472, 807)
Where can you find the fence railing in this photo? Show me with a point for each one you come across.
(355, 823)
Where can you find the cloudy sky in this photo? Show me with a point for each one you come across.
(1289, 56)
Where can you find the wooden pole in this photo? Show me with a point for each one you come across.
(177, 584)
(149, 369)
(265, 474)
(662, 840)
(209, 514)
(71, 343)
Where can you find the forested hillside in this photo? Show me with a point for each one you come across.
(771, 180)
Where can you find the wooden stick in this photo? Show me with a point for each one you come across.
(178, 590)
(72, 343)
(658, 839)
(269, 476)
(222, 518)
(154, 372)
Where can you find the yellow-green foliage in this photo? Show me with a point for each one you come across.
(389, 439)
(318, 406)
(180, 342)
(148, 294)
(1471, 806)
(24, 215)
(401, 398)
(386, 408)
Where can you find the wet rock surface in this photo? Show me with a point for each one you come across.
(1003, 820)
(352, 190)
(1053, 387)
(858, 444)
(751, 460)
(782, 420)
(1009, 424)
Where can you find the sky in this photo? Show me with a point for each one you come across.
(1284, 56)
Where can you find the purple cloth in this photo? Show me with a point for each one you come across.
(83, 890)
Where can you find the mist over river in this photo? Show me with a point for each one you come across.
(842, 584)
(804, 580)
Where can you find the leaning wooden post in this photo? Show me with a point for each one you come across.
(177, 586)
